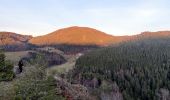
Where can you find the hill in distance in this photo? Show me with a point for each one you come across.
(10, 40)
(147, 34)
(88, 36)
(157, 34)
(75, 36)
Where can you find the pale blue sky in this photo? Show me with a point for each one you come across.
(116, 17)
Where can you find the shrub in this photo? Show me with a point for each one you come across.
(6, 67)
(35, 85)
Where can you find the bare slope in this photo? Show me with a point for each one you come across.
(12, 41)
(76, 36)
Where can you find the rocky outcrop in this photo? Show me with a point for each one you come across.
(16, 70)
(72, 91)
(163, 94)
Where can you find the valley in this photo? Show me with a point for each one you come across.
(84, 50)
(76, 66)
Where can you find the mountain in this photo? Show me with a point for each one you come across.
(81, 36)
(10, 40)
(75, 36)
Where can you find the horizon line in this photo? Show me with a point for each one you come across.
(20, 33)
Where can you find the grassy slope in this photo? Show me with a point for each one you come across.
(15, 56)
(64, 68)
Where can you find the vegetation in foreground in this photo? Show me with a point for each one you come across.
(6, 69)
(33, 84)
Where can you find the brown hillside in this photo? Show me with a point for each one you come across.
(9, 38)
(146, 35)
(12, 41)
(77, 36)
(156, 34)
(149, 35)
(72, 35)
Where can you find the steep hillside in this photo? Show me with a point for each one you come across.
(13, 41)
(75, 36)
(141, 69)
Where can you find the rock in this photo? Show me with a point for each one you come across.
(16, 70)
(94, 83)
(111, 96)
(163, 94)
(72, 91)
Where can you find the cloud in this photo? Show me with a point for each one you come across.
(124, 17)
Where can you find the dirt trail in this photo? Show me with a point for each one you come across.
(63, 68)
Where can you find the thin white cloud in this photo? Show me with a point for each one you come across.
(116, 17)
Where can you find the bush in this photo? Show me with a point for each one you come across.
(6, 67)
(2, 61)
(35, 85)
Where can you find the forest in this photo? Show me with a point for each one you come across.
(141, 68)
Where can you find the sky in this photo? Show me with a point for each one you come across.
(115, 17)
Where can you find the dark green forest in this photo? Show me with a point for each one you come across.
(140, 68)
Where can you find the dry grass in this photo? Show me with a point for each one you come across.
(15, 56)
(64, 68)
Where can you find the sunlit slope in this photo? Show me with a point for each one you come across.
(75, 36)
